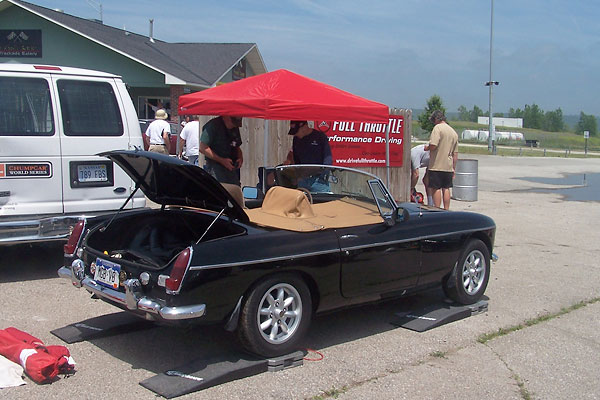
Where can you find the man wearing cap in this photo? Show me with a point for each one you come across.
(309, 146)
(220, 143)
(156, 136)
(443, 154)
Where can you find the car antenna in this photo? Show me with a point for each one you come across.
(137, 186)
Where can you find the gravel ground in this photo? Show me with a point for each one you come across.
(548, 261)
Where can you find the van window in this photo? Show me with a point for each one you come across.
(89, 109)
(25, 107)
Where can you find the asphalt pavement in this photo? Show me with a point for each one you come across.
(543, 296)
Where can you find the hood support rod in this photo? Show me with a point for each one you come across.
(137, 186)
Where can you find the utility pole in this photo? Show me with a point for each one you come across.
(490, 83)
(96, 6)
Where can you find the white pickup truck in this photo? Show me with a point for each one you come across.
(53, 120)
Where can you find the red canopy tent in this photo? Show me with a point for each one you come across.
(281, 95)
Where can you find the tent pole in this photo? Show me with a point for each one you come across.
(265, 155)
(387, 155)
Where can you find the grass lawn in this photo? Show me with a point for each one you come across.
(547, 140)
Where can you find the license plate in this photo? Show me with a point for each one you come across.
(92, 173)
(107, 273)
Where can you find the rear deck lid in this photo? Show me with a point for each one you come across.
(167, 180)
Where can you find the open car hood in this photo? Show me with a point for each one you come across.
(167, 180)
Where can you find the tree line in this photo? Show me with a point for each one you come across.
(533, 117)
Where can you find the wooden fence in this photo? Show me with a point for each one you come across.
(280, 143)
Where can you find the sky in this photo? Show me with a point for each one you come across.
(397, 52)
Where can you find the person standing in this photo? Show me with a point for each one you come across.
(190, 139)
(419, 158)
(220, 143)
(156, 136)
(309, 145)
(443, 149)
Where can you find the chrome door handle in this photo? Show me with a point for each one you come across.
(350, 236)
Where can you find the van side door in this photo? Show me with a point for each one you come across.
(30, 167)
(92, 117)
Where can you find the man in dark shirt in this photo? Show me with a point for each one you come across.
(310, 146)
(220, 143)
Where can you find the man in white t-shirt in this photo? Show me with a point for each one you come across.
(157, 134)
(190, 138)
(419, 158)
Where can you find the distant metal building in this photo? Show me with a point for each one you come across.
(501, 121)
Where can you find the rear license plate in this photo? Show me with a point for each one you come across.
(107, 273)
(92, 173)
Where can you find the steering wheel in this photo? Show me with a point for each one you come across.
(307, 193)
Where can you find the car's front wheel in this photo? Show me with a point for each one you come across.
(275, 316)
(468, 281)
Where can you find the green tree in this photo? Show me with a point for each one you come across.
(518, 113)
(434, 103)
(553, 121)
(533, 116)
(475, 112)
(463, 114)
(587, 123)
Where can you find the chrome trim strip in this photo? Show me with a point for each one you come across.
(392, 242)
(318, 253)
(271, 259)
(132, 298)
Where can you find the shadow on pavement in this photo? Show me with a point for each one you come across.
(25, 262)
(188, 344)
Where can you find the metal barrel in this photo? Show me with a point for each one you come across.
(464, 186)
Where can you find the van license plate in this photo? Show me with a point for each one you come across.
(92, 173)
(107, 273)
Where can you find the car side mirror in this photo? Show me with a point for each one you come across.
(390, 219)
(399, 215)
(405, 214)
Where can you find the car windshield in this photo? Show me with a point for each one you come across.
(329, 182)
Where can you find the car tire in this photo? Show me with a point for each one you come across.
(469, 278)
(275, 316)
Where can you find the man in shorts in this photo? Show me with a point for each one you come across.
(443, 154)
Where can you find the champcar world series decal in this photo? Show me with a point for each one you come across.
(26, 170)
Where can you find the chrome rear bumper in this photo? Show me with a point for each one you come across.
(36, 229)
(133, 298)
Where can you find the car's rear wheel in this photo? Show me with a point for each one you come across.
(468, 281)
(275, 316)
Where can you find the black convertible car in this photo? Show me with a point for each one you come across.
(322, 238)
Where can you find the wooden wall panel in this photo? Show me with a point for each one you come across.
(279, 143)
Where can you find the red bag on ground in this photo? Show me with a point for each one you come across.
(416, 197)
(41, 363)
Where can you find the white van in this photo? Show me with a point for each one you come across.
(53, 120)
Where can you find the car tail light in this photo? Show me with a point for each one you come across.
(71, 245)
(174, 281)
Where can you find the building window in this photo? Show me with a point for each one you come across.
(147, 106)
